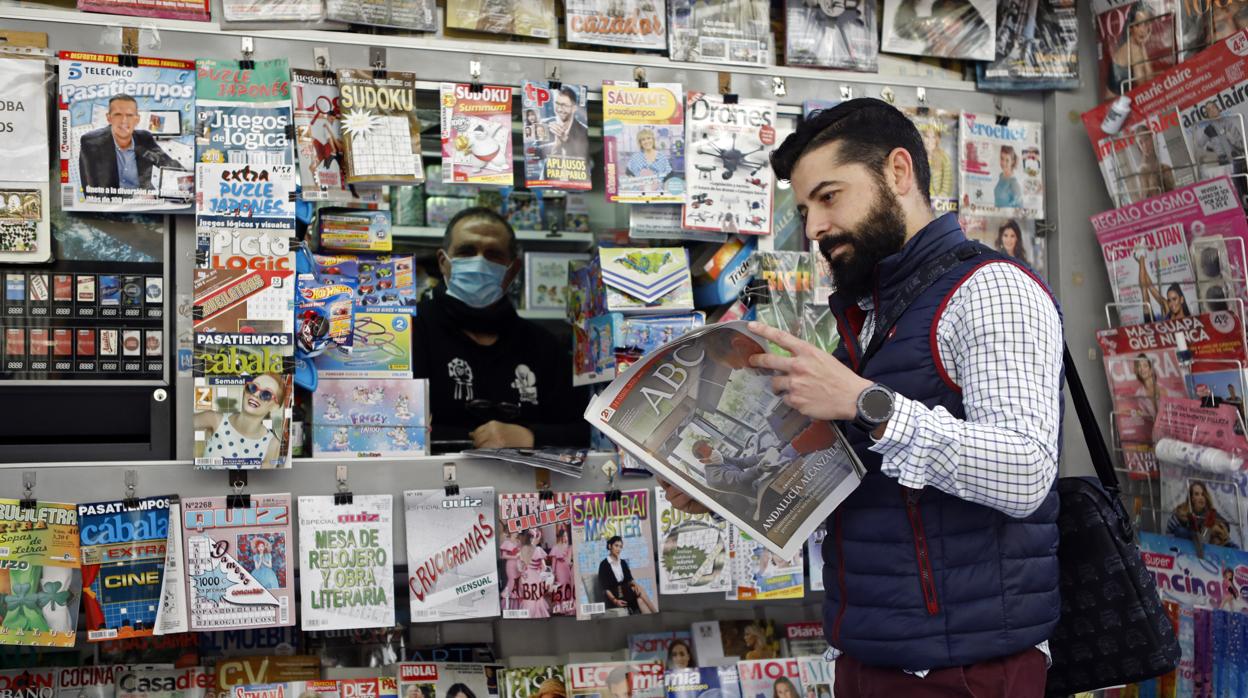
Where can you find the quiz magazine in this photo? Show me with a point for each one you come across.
(380, 131)
(535, 555)
(476, 134)
(318, 136)
(448, 679)
(124, 549)
(693, 550)
(346, 562)
(452, 573)
(40, 574)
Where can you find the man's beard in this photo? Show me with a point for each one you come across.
(880, 234)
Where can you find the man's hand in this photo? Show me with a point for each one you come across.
(681, 501)
(495, 434)
(811, 380)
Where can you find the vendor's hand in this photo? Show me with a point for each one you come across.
(495, 434)
(812, 381)
(681, 501)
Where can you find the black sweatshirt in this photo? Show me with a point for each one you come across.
(527, 367)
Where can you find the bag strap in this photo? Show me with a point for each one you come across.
(912, 289)
(1087, 420)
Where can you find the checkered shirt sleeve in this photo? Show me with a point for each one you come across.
(1000, 339)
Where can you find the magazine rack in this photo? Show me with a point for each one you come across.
(1235, 305)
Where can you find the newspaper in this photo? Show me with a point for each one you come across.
(727, 167)
(700, 417)
(566, 461)
(415, 15)
(194, 10)
(24, 204)
(556, 136)
(636, 24)
(535, 557)
(1000, 169)
(476, 134)
(238, 562)
(643, 141)
(157, 124)
(40, 569)
(720, 31)
(381, 134)
(1037, 47)
(346, 562)
(451, 570)
(692, 551)
(171, 615)
(840, 36)
(944, 30)
(123, 559)
(939, 129)
(1208, 86)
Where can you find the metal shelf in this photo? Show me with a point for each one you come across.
(432, 233)
(543, 314)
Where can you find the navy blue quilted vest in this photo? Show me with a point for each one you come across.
(918, 579)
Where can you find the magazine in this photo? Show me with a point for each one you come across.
(1150, 272)
(238, 570)
(191, 682)
(415, 15)
(76, 682)
(556, 136)
(243, 116)
(273, 10)
(762, 678)
(380, 131)
(607, 679)
(703, 682)
(1000, 171)
(818, 675)
(532, 682)
(805, 639)
(611, 538)
(939, 129)
(1015, 237)
(370, 418)
(643, 142)
(674, 648)
(476, 134)
(841, 36)
(1212, 87)
(158, 124)
(1214, 225)
(727, 167)
(1196, 503)
(1136, 40)
(663, 222)
(1208, 578)
(693, 551)
(318, 136)
(451, 570)
(638, 24)
(24, 203)
(265, 676)
(956, 29)
(1037, 47)
(123, 560)
(371, 687)
(1204, 23)
(194, 10)
(546, 279)
(715, 429)
(535, 555)
(448, 680)
(782, 290)
(28, 683)
(346, 562)
(760, 574)
(720, 31)
(814, 556)
(531, 18)
(40, 574)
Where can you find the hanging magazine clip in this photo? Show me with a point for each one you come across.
(342, 494)
(887, 94)
(725, 88)
(998, 108)
(847, 93)
(639, 75)
(129, 56)
(778, 86)
(610, 469)
(920, 95)
(555, 82)
(237, 499)
(541, 476)
(474, 75)
(320, 58)
(28, 490)
(248, 50)
(448, 480)
(377, 59)
(132, 484)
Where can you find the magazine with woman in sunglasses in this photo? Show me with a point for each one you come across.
(244, 434)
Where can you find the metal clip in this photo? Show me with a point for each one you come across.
(778, 87)
(847, 93)
(320, 58)
(474, 72)
(998, 108)
(129, 56)
(28, 490)
(610, 469)
(377, 59)
(448, 479)
(920, 95)
(888, 95)
(132, 485)
(555, 81)
(237, 499)
(725, 87)
(639, 76)
(541, 477)
(342, 493)
(248, 49)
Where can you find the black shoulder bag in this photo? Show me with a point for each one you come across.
(1113, 629)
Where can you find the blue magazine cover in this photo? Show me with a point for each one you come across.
(123, 564)
(702, 682)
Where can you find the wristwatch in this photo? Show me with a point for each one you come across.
(875, 406)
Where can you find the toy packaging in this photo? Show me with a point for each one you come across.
(381, 347)
(369, 418)
(646, 280)
(364, 231)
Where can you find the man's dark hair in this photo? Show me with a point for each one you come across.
(121, 98)
(867, 130)
(569, 92)
(487, 214)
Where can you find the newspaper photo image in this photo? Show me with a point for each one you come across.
(698, 415)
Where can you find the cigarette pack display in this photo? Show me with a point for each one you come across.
(40, 574)
(643, 141)
(535, 555)
(476, 134)
(614, 572)
(451, 586)
(346, 570)
(381, 134)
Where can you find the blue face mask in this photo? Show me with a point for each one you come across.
(476, 281)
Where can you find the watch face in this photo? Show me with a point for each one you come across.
(877, 405)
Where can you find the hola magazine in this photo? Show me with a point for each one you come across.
(448, 680)
(238, 569)
(638, 24)
(452, 574)
(727, 166)
(24, 229)
(123, 560)
(535, 555)
(643, 142)
(40, 575)
(158, 123)
(346, 562)
(614, 569)
(380, 131)
(476, 134)
(1000, 169)
(698, 415)
(556, 136)
(693, 550)
(827, 35)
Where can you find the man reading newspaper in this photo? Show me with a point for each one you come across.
(941, 567)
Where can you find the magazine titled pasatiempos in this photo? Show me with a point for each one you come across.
(703, 418)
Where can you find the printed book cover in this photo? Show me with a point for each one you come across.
(452, 573)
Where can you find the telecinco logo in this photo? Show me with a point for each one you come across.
(75, 71)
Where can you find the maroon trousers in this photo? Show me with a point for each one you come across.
(1016, 676)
